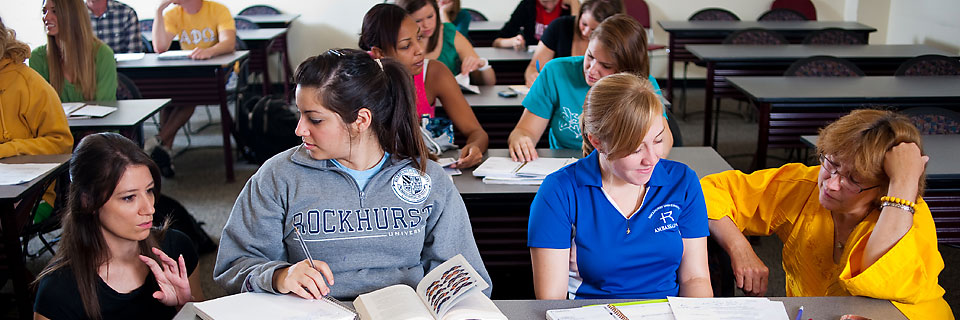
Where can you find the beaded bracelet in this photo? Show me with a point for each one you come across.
(897, 205)
(898, 201)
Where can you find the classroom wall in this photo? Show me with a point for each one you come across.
(327, 24)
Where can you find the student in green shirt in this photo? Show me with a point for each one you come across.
(77, 64)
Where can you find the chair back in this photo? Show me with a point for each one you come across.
(146, 25)
(934, 120)
(474, 14)
(259, 9)
(930, 65)
(755, 36)
(804, 7)
(639, 10)
(240, 45)
(245, 24)
(147, 45)
(834, 36)
(782, 14)
(126, 89)
(714, 14)
(823, 66)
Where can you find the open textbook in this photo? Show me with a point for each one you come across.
(451, 291)
(80, 110)
(503, 170)
(678, 308)
(254, 305)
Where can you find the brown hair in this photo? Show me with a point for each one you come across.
(95, 169)
(861, 139)
(453, 10)
(619, 110)
(626, 40)
(413, 5)
(10, 47)
(74, 48)
(600, 10)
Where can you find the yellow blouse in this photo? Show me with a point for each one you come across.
(785, 201)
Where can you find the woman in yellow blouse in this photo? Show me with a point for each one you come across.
(839, 237)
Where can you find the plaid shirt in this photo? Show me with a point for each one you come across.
(118, 28)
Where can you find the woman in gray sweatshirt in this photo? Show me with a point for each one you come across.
(372, 210)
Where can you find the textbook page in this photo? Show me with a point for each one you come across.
(175, 55)
(464, 81)
(253, 305)
(646, 311)
(393, 302)
(542, 167)
(17, 173)
(497, 167)
(727, 308)
(448, 283)
(91, 110)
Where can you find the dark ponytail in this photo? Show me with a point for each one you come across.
(348, 80)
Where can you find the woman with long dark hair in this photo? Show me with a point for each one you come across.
(112, 262)
(442, 42)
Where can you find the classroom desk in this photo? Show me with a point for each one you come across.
(128, 119)
(482, 33)
(813, 307)
(789, 107)
(508, 63)
(773, 60)
(188, 83)
(280, 20)
(13, 219)
(942, 193)
(499, 213)
(683, 33)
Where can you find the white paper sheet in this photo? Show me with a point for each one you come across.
(70, 107)
(13, 174)
(92, 111)
(250, 305)
(129, 56)
(464, 81)
(727, 308)
(175, 55)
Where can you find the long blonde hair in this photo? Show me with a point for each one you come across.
(74, 48)
(619, 110)
(10, 47)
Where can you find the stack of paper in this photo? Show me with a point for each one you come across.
(175, 55)
(503, 170)
(129, 56)
(679, 309)
(22, 172)
(80, 110)
(250, 305)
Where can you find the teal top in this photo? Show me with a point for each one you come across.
(448, 54)
(106, 68)
(558, 94)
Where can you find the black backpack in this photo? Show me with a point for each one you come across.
(266, 125)
(184, 222)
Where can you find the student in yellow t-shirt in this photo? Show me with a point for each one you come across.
(207, 28)
(842, 233)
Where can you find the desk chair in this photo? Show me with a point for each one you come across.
(258, 9)
(804, 7)
(474, 14)
(823, 66)
(51, 223)
(245, 24)
(930, 65)
(834, 36)
(146, 25)
(707, 14)
(782, 14)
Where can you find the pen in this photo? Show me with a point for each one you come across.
(303, 245)
(799, 313)
(538, 66)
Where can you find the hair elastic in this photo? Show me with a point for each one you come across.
(379, 63)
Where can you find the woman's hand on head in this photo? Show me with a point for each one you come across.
(470, 155)
(172, 279)
(904, 163)
(303, 280)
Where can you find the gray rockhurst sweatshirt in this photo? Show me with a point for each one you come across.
(399, 227)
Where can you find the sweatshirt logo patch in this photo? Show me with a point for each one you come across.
(410, 186)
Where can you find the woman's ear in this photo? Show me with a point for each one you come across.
(376, 53)
(595, 142)
(364, 118)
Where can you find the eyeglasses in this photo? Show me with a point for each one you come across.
(846, 182)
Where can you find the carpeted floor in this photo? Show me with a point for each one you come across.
(200, 185)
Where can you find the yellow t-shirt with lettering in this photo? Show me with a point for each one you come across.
(199, 30)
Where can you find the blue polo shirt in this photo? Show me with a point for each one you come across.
(558, 94)
(608, 262)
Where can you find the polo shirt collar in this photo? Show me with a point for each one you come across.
(588, 172)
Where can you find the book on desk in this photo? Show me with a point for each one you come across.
(80, 110)
(503, 170)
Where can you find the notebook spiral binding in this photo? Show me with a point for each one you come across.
(344, 306)
(616, 312)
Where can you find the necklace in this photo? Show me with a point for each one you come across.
(643, 194)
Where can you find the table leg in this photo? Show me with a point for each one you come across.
(226, 124)
(763, 122)
(266, 70)
(708, 106)
(670, 58)
(17, 268)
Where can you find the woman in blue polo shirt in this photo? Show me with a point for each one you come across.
(619, 44)
(621, 222)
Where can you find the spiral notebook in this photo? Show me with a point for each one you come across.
(252, 305)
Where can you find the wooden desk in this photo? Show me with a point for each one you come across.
(943, 183)
(188, 83)
(128, 119)
(793, 106)
(281, 20)
(773, 60)
(499, 214)
(683, 33)
(13, 219)
(482, 33)
(509, 64)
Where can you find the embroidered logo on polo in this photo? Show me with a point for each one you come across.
(570, 122)
(665, 214)
(411, 186)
